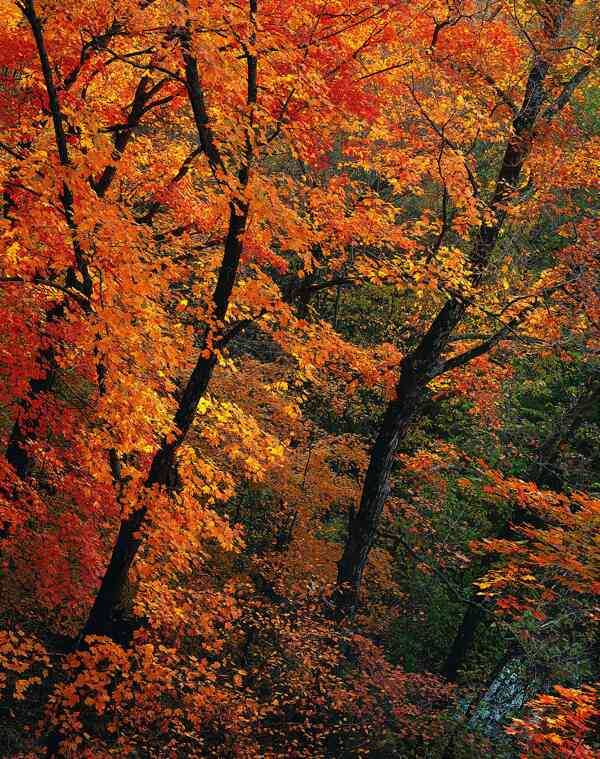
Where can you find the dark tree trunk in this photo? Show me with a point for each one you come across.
(541, 472)
(107, 615)
(417, 369)
(463, 641)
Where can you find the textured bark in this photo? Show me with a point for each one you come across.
(416, 371)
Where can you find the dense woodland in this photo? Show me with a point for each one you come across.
(300, 379)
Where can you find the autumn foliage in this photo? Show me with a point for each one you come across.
(299, 378)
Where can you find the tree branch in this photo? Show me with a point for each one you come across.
(568, 90)
(78, 297)
(66, 197)
(96, 43)
(140, 105)
(196, 98)
(502, 334)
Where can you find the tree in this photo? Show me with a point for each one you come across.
(426, 360)
(539, 472)
(290, 57)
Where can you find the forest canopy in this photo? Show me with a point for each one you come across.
(300, 379)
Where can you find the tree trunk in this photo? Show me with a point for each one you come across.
(416, 371)
(106, 616)
(542, 473)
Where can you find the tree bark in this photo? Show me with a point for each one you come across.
(416, 371)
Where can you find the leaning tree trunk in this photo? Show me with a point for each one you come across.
(422, 364)
(106, 616)
(541, 472)
(417, 369)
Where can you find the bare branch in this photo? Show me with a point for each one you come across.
(236, 328)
